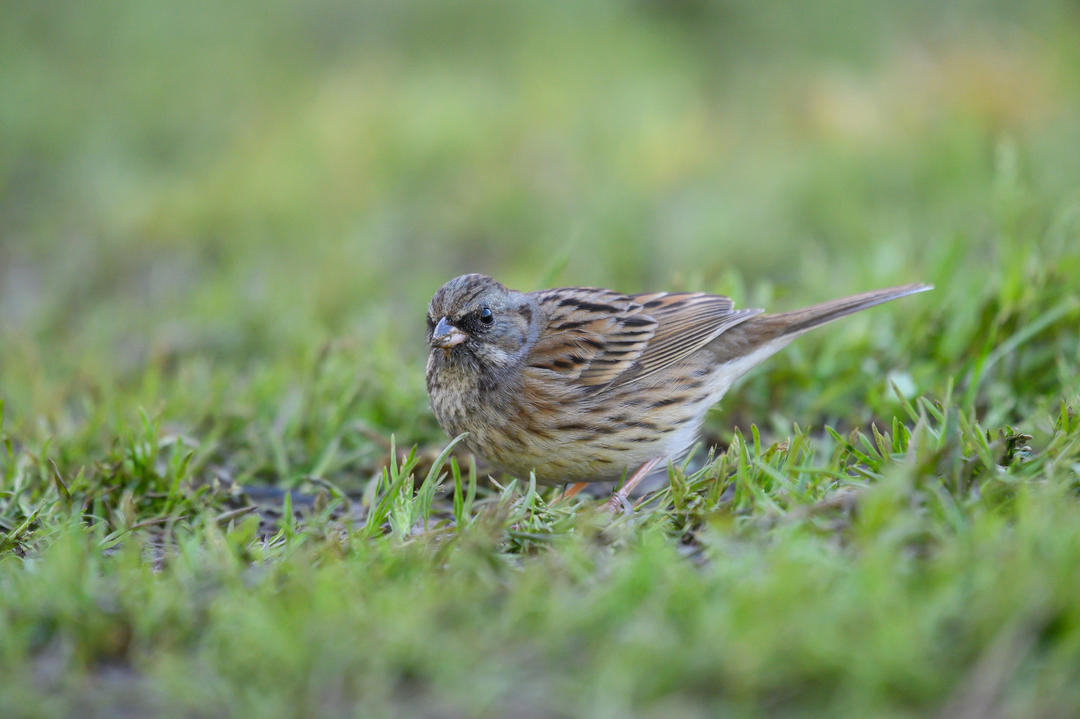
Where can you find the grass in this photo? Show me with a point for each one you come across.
(222, 492)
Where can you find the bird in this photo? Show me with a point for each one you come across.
(578, 384)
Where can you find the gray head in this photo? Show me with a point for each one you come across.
(474, 320)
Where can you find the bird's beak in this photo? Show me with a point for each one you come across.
(446, 335)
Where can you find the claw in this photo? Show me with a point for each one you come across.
(618, 504)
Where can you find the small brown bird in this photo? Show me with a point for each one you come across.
(583, 385)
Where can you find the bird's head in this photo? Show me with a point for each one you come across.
(473, 319)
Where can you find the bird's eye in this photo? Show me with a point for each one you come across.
(486, 317)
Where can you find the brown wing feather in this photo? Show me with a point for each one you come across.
(598, 337)
(592, 336)
(687, 322)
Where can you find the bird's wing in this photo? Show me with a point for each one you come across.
(685, 323)
(598, 338)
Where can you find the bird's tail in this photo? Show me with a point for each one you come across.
(799, 321)
(773, 332)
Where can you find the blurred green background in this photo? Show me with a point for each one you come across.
(232, 213)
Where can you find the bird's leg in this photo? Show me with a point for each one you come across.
(615, 504)
(573, 489)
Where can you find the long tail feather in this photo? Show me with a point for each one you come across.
(810, 317)
(764, 335)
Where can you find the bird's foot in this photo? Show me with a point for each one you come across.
(620, 501)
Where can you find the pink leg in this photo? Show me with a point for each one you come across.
(614, 505)
(573, 489)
